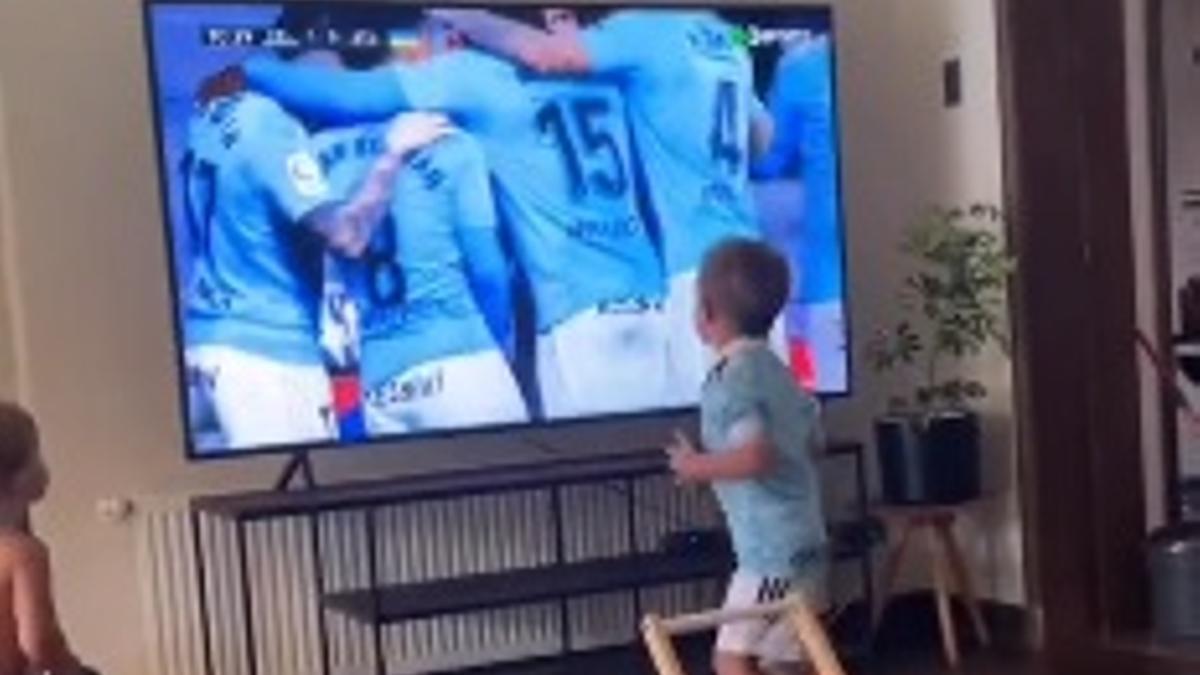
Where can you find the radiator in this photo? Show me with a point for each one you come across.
(415, 542)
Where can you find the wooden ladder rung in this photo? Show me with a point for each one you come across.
(658, 632)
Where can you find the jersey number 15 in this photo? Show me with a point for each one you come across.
(590, 154)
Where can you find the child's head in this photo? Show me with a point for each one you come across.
(23, 476)
(743, 286)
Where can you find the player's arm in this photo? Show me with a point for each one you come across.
(39, 634)
(762, 129)
(326, 95)
(348, 226)
(488, 273)
(531, 47)
(277, 159)
(478, 235)
(753, 455)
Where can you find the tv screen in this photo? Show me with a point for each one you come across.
(393, 221)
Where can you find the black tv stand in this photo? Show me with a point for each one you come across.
(376, 602)
(299, 465)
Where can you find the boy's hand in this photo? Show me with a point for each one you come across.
(683, 455)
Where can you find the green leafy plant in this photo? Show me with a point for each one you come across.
(953, 306)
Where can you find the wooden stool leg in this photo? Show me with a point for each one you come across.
(662, 651)
(966, 586)
(814, 638)
(891, 569)
(941, 587)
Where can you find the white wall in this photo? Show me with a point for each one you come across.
(904, 150)
(91, 310)
(8, 361)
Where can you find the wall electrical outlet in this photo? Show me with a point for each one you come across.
(114, 510)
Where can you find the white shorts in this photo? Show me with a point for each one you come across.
(770, 640)
(604, 360)
(257, 401)
(690, 358)
(469, 390)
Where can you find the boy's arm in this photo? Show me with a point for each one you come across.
(38, 631)
(753, 457)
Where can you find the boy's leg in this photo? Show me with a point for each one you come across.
(779, 649)
(787, 669)
(735, 664)
(739, 644)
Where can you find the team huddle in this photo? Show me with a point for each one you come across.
(391, 216)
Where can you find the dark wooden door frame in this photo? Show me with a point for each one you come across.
(1067, 169)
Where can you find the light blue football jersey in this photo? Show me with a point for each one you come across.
(559, 150)
(689, 88)
(412, 284)
(249, 178)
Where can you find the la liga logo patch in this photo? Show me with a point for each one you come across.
(305, 174)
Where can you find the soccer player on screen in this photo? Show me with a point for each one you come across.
(689, 88)
(434, 289)
(803, 149)
(559, 152)
(261, 213)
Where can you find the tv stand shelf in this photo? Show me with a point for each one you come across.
(405, 602)
(380, 604)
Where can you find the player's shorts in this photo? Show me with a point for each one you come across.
(257, 401)
(690, 358)
(771, 640)
(611, 358)
(468, 390)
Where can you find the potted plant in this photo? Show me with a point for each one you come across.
(953, 307)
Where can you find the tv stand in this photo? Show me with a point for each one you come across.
(299, 465)
(377, 603)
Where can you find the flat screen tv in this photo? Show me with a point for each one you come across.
(390, 221)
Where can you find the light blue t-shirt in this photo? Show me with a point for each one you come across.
(802, 106)
(559, 150)
(775, 520)
(412, 284)
(249, 179)
(689, 90)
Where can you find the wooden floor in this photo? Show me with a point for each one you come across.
(632, 662)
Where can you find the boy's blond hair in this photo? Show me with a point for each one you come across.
(747, 282)
(18, 442)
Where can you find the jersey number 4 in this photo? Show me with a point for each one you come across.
(724, 141)
(589, 151)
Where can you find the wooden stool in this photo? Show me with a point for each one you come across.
(658, 632)
(902, 522)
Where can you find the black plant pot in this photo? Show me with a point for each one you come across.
(930, 460)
